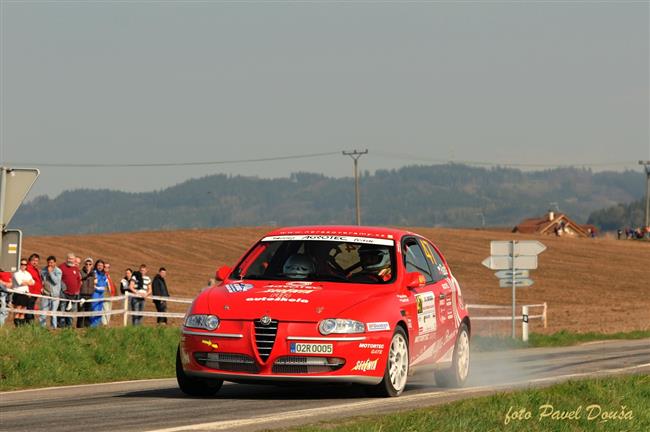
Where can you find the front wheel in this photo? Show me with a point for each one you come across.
(397, 367)
(195, 386)
(456, 375)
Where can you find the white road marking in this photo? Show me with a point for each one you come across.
(337, 409)
(42, 389)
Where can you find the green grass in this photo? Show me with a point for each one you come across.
(488, 414)
(35, 357)
(561, 338)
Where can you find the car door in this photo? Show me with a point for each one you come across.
(427, 309)
(448, 317)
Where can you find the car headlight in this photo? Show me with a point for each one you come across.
(331, 325)
(208, 322)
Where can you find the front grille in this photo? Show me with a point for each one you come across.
(265, 338)
(307, 365)
(227, 362)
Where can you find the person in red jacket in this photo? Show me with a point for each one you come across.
(37, 288)
(70, 287)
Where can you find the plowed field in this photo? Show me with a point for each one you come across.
(589, 284)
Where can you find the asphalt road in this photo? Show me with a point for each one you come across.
(157, 405)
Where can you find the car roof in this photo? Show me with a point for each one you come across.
(343, 230)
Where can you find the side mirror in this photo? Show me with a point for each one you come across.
(223, 273)
(415, 280)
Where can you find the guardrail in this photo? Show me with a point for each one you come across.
(125, 311)
(525, 317)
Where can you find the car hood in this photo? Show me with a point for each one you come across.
(288, 301)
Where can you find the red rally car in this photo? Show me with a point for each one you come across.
(328, 304)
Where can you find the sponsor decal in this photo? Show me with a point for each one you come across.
(307, 348)
(277, 299)
(427, 322)
(445, 285)
(211, 344)
(238, 287)
(371, 346)
(422, 338)
(378, 326)
(365, 365)
(403, 298)
(294, 284)
(425, 301)
(289, 291)
(426, 305)
(333, 238)
(409, 323)
(441, 302)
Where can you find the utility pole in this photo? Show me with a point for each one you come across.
(355, 155)
(646, 165)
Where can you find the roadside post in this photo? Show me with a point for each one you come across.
(15, 183)
(514, 259)
(524, 323)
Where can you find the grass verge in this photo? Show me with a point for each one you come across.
(561, 338)
(35, 357)
(586, 405)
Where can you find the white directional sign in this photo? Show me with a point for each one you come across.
(17, 183)
(523, 247)
(524, 262)
(513, 258)
(507, 274)
(519, 283)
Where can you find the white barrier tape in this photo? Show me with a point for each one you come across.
(66, 314)
(111, 299)
(481, 306)
(509, 318)
(169, 299)
(116, 298)
(156, 314)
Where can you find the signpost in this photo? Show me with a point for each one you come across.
(513, 259)
(15, 183)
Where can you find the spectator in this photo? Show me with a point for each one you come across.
(21, 281)
(160, 290)
(87, 290)
(141, 287)
(619, 233)
(36, 288)
(126, 282)
(51, 276)
(70, 286)
(101, 286)
(110, 292)
(5, 283)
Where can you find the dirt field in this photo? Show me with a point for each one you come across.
(589, 284)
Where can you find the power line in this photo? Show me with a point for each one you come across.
(168, 164)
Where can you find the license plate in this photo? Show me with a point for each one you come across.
(307, 348)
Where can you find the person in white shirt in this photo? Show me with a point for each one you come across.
(22, 280)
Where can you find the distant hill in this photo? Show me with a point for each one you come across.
(442, 195)
(619, 216)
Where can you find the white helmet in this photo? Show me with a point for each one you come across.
(374, 257)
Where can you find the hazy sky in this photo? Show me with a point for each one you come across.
(119, 82)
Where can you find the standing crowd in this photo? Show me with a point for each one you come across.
(70, 287)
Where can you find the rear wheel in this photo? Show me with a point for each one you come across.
(191, 386)
(456, 375)
(397, 367)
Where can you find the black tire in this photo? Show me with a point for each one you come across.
(386, 388)
(201, 387)
(456, 375)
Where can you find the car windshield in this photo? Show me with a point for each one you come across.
(309, 258)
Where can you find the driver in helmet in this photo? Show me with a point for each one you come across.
(375, 264)
(299, 266)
